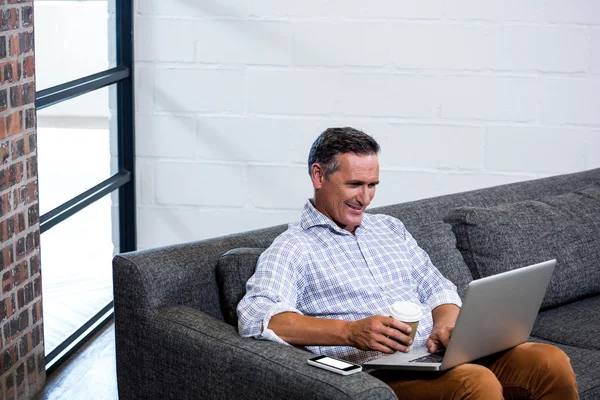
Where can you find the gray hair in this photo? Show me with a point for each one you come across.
(335, 141)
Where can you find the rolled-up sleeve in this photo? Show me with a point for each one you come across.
(273, 289)
(432, 287)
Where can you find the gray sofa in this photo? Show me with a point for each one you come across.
(175, 306)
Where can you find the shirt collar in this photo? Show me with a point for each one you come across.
(312, 217)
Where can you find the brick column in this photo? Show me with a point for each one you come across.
(21, 340)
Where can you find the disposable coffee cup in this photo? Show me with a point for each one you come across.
(407, 312)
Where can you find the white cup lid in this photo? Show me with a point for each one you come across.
(406, 311)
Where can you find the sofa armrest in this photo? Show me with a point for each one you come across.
(194, 355)
(146, 281)
(176, 275)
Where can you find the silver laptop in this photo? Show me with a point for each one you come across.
(498, 313)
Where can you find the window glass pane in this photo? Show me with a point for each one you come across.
(76, 146)
(76, 261)
(73, 38)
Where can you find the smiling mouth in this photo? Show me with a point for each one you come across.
(356, 208)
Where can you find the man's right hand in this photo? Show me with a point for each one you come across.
(380, 333)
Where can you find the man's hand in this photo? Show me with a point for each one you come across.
(444, 319)
(439, 338)
(380, 333)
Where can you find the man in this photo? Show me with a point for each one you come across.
(327, 283)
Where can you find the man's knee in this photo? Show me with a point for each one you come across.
(476, 382)
(547, 356)
(558, 364)
(551, 361)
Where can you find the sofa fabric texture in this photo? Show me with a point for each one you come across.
(175, 328)
(564, 227)
(233, 271)
(574, 324)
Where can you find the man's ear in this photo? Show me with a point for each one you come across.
(317, 175)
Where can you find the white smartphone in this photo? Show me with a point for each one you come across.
(334, 365)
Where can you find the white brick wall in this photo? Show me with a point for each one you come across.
(203, 184)
(457, 147)
(390, 95)
(571, 101)
(573, 11)
(293, 91)
(595, 51)
(461, 94)
(536, 149)
(242, 42)
(495, 11)
(198, 90)
(336, 44)
(490, 98)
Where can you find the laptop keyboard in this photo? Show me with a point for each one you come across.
(430, 358)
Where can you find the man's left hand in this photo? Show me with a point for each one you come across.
(444, 319)
(439, 338)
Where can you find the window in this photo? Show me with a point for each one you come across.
(85, 132)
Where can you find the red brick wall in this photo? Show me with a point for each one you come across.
(21, 332)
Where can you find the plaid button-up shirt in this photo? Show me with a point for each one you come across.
(317, 269)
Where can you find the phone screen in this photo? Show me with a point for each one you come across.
(335, 363)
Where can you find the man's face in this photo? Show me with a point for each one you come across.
(348, 191)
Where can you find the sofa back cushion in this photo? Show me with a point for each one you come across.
(438, 240)
(233, 271)
(509, 236)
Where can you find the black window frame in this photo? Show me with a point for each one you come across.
(123, 181)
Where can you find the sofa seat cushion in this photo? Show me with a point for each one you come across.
(438, 240)
(574, 324)
(233, 271)
(509, 236)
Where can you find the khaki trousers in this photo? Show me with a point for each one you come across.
(528, 371)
